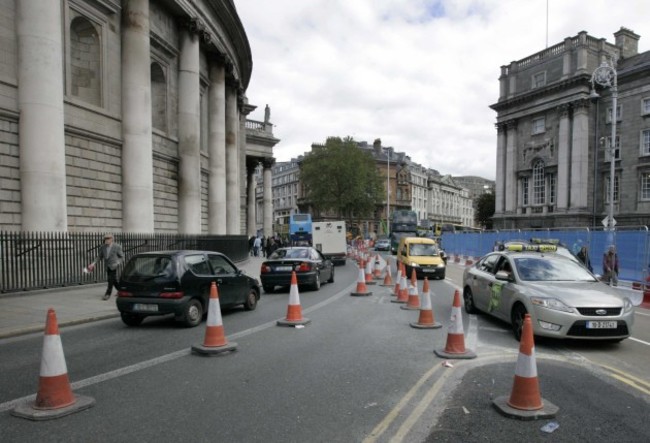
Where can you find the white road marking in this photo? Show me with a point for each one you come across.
(639, 341)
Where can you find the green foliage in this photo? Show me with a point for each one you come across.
(342, 178)
(485, 210)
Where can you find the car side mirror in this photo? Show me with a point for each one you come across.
(503, 276)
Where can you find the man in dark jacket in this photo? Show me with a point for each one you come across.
(112, 255)
(610, 266)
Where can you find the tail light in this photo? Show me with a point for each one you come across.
(304, 267)
(124, 294)
(265, 269)
(178, 294)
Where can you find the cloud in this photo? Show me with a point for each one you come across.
(418, 74)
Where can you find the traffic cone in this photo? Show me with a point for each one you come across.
(215, 341)
(426, 319)
(403, 295)
(54, 398)
(368, 276)
(388, 279)
(455, 347)
(294, 311)
(413, 301)
(362, 289)
(398, 279)
(414, 278)
(377, 271)
(525, 401)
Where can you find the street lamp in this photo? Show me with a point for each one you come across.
(605, 75)
(388, 191)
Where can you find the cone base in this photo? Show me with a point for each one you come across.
(371, 282)
(548, 410)
(426, 326)
(398, 301)
(286, 322)
(360, 294)
(27, 410)
(468, 354)
(387, 285)
(213, 350)
(410, 308)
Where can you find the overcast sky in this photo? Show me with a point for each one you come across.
(420, 75)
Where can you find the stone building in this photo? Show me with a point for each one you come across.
(553, 161)
(128, 115)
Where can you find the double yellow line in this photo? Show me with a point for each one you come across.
(628, 379)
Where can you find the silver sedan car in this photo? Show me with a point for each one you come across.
(563, 298)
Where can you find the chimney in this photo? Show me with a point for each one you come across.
(627, 41)
(376, 145)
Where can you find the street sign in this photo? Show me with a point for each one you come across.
(606, 219)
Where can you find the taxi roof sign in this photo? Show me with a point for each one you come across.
(531, 248)
(546, 241)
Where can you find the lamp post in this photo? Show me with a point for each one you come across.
(388, 191)
(606, 76)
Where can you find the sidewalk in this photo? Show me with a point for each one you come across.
(25, 312)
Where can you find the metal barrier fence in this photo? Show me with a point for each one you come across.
(38, 260)
(632, 245)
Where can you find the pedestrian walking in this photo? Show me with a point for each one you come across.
(610, 266)
(256, 246)
(112, 255)
(583, 256)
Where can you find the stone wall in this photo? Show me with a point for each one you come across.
(9, 176)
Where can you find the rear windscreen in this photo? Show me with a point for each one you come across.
(139, 268)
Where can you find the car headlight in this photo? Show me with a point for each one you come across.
(551, 303)
(414, 265)
(627, 305)
(441, 265)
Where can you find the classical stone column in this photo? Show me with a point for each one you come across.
(268, 197)
(189, 167)
(500, 189)
(40, 126)
(217, 150)
(251, 207)
(232, 163)
(511, 168)
(563, 159)
(137, 159)
(580, 156)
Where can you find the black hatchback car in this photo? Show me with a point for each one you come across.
(310, 265)
(178, 282)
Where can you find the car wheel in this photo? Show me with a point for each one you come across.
(442, 276)
(316, 285)
(468, 297)
(268, 289)
(193, 313)
(131, 319)
(251, 301)
(517, 318)
(331, 280)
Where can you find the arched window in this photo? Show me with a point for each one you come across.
(158, 97)
(85, 61)
(539, 183)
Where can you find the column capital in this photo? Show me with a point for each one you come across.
(268, 162)
(196, 27)
(563, 110)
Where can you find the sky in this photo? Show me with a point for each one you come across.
(418, 74)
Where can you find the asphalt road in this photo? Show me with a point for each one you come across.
(357, 372)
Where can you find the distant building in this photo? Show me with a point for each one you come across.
(553, 161)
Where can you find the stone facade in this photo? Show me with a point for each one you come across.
(112, 118)
(553, 137)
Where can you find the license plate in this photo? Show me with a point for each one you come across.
(145, 307)
(428, 270)
(602, 324)
(283, 268)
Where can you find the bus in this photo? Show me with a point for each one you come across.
(300, 229)
(440, 228)
(404, 223)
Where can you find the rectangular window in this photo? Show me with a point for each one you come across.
(539, 80)
(606, 191)
(539, 125)
(645, 142)
(645, 186)
(645, 106)
(551, 188)
(619, 114)
(524, 191)
(617, 149)
(539, 186)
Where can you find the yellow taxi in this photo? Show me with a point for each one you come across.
(422, 255)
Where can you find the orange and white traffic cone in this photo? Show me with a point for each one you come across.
(368, 275)
(388, 279)
(377, 270)
(215, 341)
(455, 347)
(398, 280)
(413, 301)
(54, 398)
(426, 319)
(525, 401)
(294, 310)
(362, 289)
(403, 294)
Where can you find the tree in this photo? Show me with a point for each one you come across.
(341, 178)
(485, 210)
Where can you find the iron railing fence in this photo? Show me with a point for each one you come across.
(39, 260)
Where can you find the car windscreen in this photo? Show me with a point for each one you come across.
(421, 249)
(290, 253)
(148, 267)
(545, 268)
